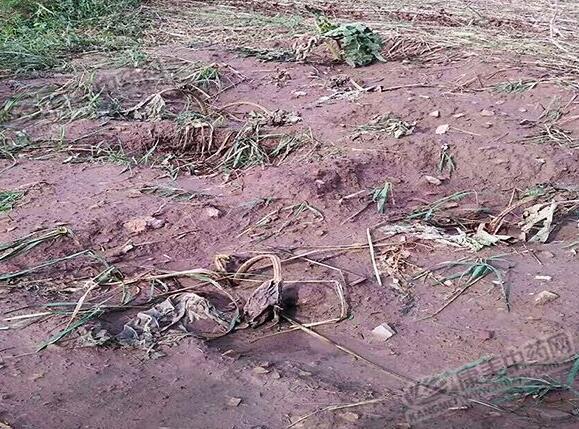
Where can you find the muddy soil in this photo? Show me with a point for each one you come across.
(251, 378)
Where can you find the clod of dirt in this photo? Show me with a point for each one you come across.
(234, 402)
(547, 254)
(486, 112)
(350, 417)
(212, 212)
(487, 335)
(384, 331)
(298, 94)
(120, 250)
(434, 114)
(141, 224)
(260, 370)
(442, 129)
(279, 118)
(545, 297)
(433, 180)
(261, 304)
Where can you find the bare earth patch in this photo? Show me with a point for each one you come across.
(419, 208)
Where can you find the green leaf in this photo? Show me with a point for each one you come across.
(573, 373)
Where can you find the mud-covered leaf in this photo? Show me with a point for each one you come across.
(177, 311)
(95, 337)
(537, 222)
(150, 109)
(260, 306)
(481, 238)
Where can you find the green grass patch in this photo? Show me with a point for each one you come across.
(8, 199)
(44, 34)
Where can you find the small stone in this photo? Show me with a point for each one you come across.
(433, 180)
(486, 112)
(384, 331)
(300, 93)
(488, 125)
(544, 278)
(260, 370)
(141, 224)
(435, 114)
(442, 129)
(350, 417)
(458, 115)
(212, 212)
(522, 109)
(487, 335)
(156, 223)
(234, 402)
(136, 226)
(36, 376)
(540, 161)
(545, 297)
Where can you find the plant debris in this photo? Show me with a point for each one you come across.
(515, 87)
(8, 200)
(268, 55)
(177, 311)
(537, 222)
(380, 196)
(470, 272)
(388, 124)
(446, 161)
(355, 43)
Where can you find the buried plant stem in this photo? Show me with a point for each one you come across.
(30, 241)
(346, 350)
(339, 407)
(478, 269)
(373, 257)
(60, 335)
(428, 211)
(9, 276)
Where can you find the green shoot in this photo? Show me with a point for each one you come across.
(515, 87)
(8, 199)
(427, 212)
(468, 272)
(381, 195)
(446, 160)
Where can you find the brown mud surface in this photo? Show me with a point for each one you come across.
(280, 378)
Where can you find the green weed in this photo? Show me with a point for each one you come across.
(446, 161)
(381, 195)
(515, 87)
(132, 57)
(44, 34)
(388, 124)
(11, 144)
(468, 272)
(428, 211)
(8, 199)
